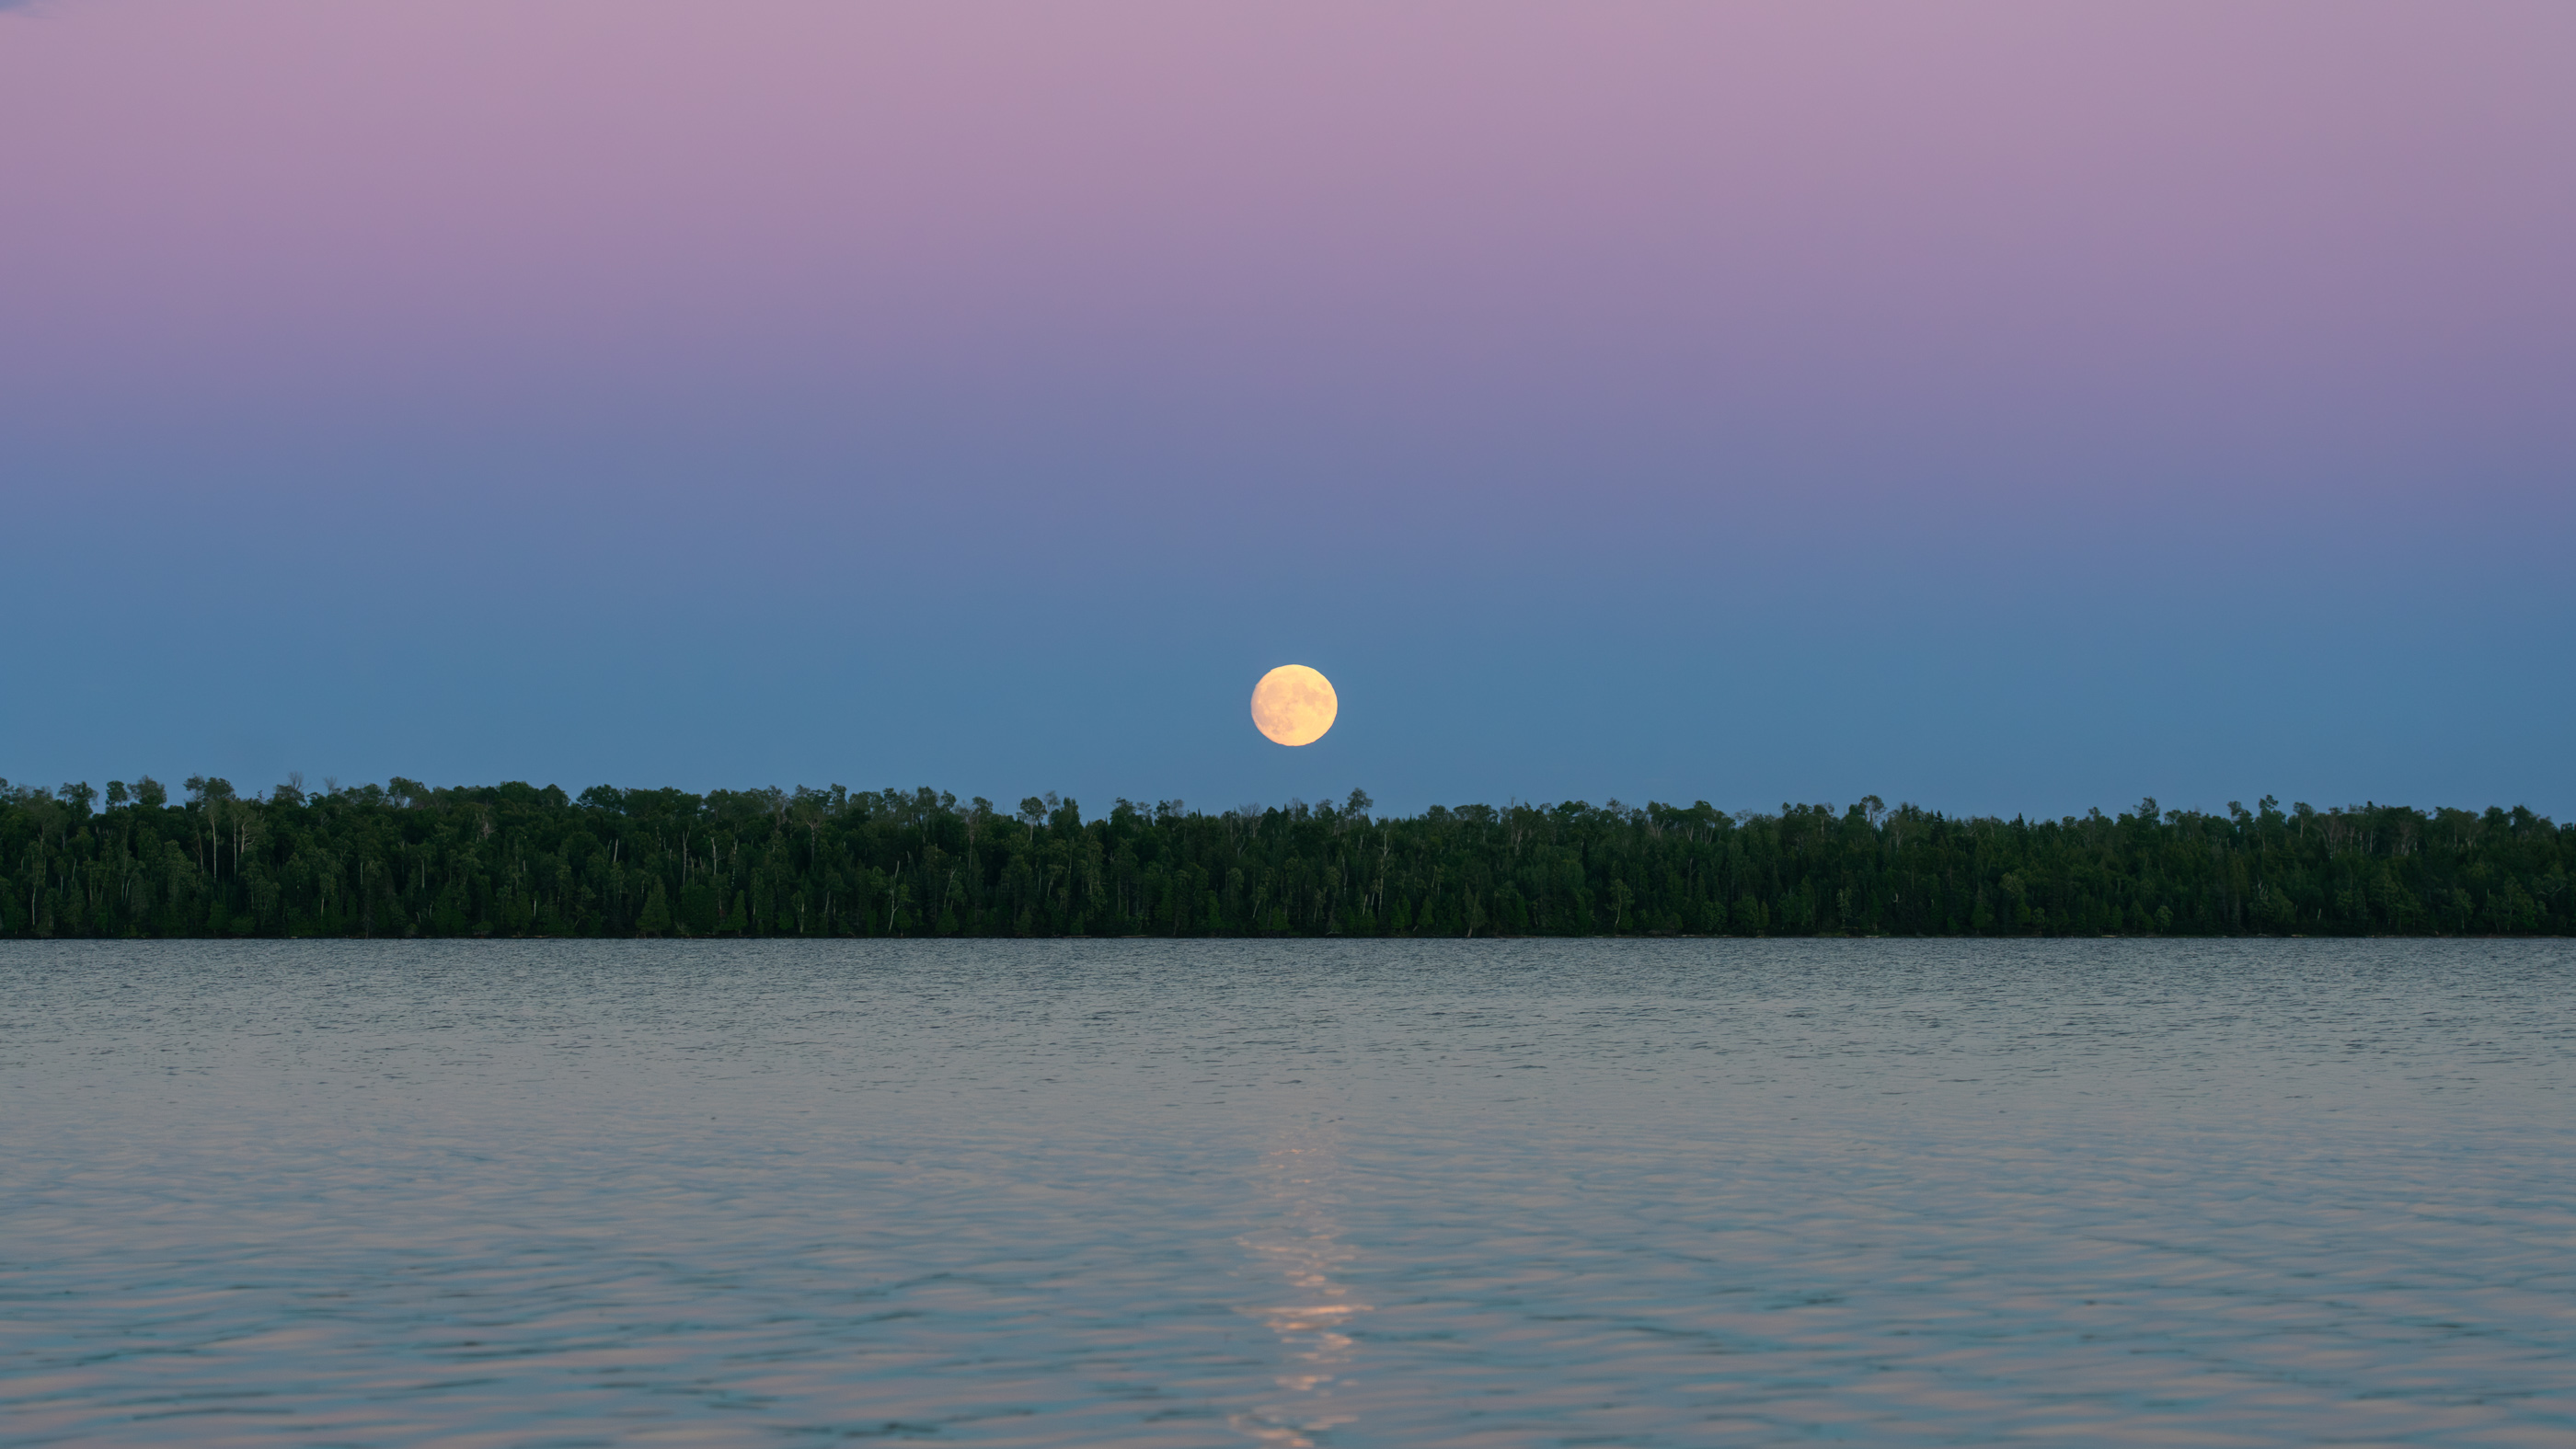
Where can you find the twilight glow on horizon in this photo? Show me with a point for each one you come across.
(2004, 406)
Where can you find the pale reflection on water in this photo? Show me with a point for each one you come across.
(1303, 1247)
(1319, 1194)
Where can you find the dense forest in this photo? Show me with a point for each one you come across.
(518, 860)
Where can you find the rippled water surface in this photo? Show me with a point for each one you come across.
(1680, 1192)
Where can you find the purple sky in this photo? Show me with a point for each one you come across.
(2003, 406)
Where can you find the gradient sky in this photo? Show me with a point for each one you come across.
(2006, 407)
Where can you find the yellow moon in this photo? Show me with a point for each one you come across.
(1294, 705)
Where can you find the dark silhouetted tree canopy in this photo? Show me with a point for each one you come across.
(404, 859)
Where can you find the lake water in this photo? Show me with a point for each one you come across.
(1287, 1193)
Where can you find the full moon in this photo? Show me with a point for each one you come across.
(1294, 705)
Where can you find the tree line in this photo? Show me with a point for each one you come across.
(514, 859)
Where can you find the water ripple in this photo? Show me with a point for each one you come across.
(1290, 1193)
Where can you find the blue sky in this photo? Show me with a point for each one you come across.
(1672, 404)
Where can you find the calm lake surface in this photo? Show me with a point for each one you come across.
(1366, 1193)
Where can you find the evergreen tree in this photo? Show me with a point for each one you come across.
(656, 919)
